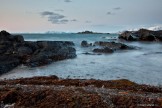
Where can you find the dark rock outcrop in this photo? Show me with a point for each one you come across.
(85, 44)
(141, 35)
(103, 50)
(90, 32)
(105, 47)
(113, 45)
(8, 63)
(15, 51)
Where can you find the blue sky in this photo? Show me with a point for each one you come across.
(79, 15)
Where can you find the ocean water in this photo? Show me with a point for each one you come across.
(143, 65)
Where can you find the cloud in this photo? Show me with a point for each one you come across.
(45, 13)
(88, 22)
(110, 13)
(117, 8)
(56, 18)
(73, 20)
(98, 25)
(67, 1)
(59, 10)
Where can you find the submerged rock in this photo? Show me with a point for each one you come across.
(15, 51)
(103, 50)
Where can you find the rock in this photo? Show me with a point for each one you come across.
(18, 38)
(103, 50)
(106, 47)
(5, 36)
(68, 43)
(3, 49)
(127, 35)
(85, 44)
(4, 33)
(87, 53)
(24, 51)
(149, 37)
(54, 44)
(15, 51)
(141, 35)
(32, 45)
(113, 45)
(8, 63)
(51, 51)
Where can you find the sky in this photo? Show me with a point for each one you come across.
(79, 15)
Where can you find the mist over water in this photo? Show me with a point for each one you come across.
(142, 65)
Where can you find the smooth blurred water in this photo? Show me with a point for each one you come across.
(143, 65)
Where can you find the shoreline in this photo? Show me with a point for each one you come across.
(54, 92)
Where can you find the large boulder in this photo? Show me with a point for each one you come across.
(141, 35)
(85, 44)
(5, 36)
(8, 63)
(15, 51)
(51, 51)
(24, 51)
(18, 38)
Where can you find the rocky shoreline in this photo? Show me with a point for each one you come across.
(15, 51)
(41, 92)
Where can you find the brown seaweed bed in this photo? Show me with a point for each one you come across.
(53, 92)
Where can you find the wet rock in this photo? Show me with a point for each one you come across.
(103, 50)
(85, 44)
(141, 35)
(51, 51)
(113, 45)
(4, 33)
(127, 36)
(24, 51)
(87, 53)
(18, 38)
(8, 63)
(15, 51)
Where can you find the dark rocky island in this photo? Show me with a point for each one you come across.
(90, 32)
(15, 51)
(141, 35)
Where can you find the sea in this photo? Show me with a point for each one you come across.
(142, 65)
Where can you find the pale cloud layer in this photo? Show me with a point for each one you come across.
(77, 15)
(67, 0)
(56, 18)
